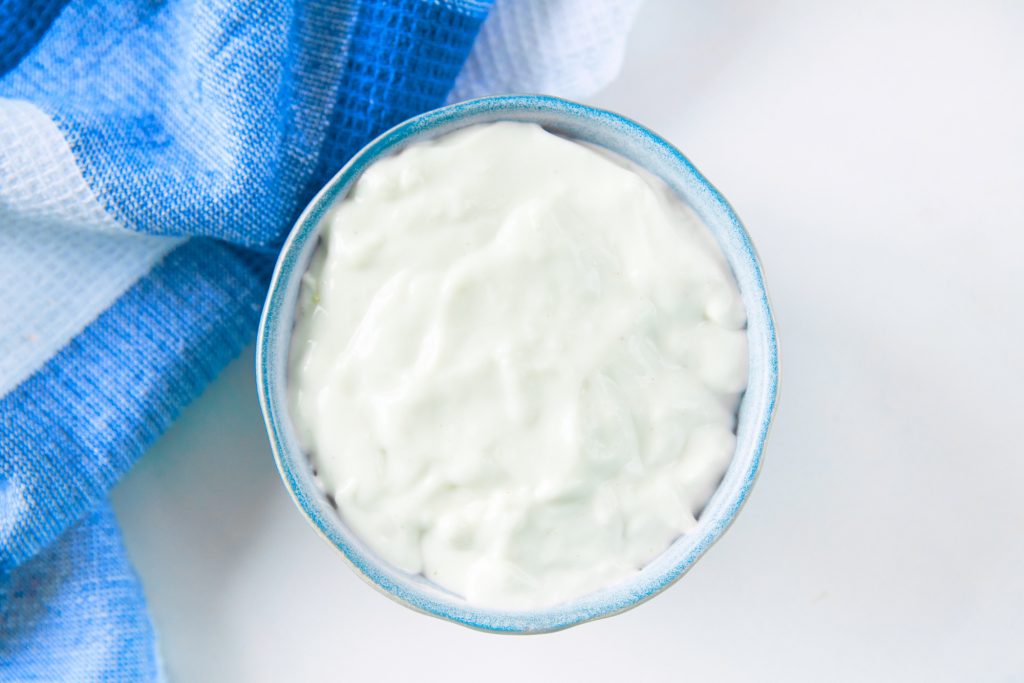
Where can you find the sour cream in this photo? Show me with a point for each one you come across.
(517, 364)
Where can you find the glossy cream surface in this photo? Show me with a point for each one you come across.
(516, 364)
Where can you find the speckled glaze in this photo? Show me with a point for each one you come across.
(643, 147)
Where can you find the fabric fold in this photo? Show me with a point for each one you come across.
(76, 612)
(74, 427)
(214, 121)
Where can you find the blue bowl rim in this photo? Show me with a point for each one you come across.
(619, 598)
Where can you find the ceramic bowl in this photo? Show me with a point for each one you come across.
(643, 147)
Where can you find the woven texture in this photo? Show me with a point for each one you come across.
(62, 257)
(152, 158)
(206, 120)
(84, 602)
(572, 48)
(176, 110)
(75, 426)
(22, 25)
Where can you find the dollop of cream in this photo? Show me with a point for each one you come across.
(516, 364)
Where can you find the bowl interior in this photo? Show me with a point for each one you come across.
(635, 143)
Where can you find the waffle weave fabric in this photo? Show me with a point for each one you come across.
(152, 158)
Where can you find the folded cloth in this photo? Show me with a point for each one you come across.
(75, 612)
(152, 158)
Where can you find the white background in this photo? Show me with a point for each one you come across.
(875, 151)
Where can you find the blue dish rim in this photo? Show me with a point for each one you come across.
(276, 327)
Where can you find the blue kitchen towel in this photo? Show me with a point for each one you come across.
(152, 157)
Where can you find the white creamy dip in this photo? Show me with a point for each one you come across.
(517, 364)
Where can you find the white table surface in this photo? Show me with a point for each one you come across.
(876, 153)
